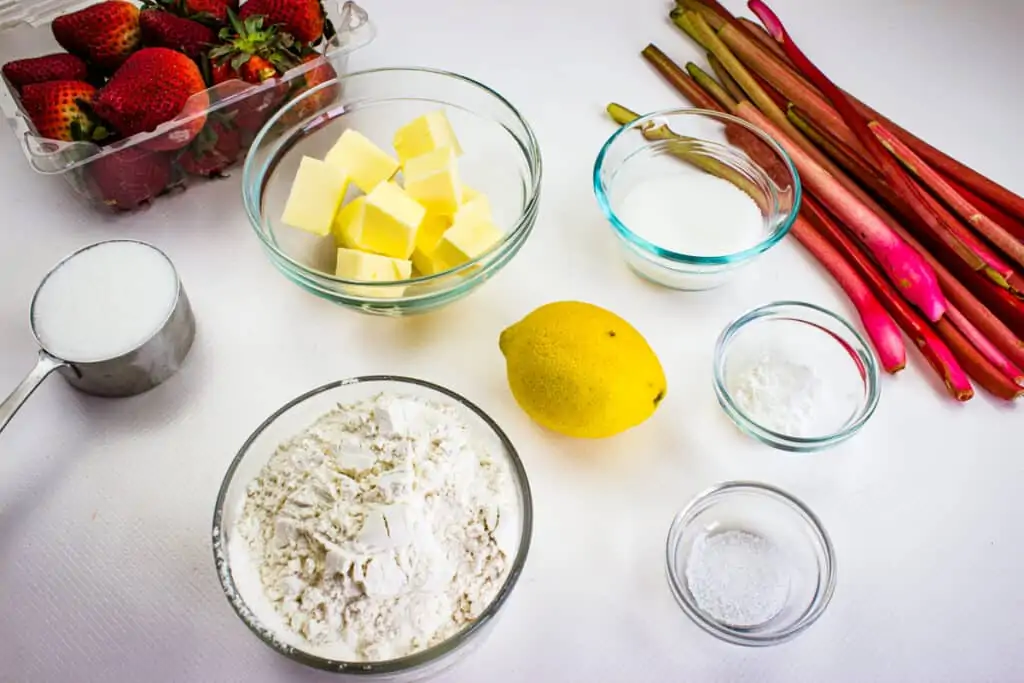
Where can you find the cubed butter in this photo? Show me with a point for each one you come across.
(364, 162)
(469, 194)
(359, 265)
(348, 223)
(477, 209)
(432, 179)
(464, 241)
(316, 194)
(425, 134)
(391, 220)
(427, 237)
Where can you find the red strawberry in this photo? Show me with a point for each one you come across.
(153, 87)
(303, 19)
(128, 178)
(251, 52)
(104, 34)
(215, 148)
(316, 75)
(163, 29)
(56, 67)
(60, 110)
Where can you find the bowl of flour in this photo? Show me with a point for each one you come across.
(373, 526)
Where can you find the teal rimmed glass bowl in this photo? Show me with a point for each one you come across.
(501, 159)
(688, 143)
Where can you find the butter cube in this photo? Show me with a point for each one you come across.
(391, 220)
(317, 191)
(358, 265)
(476, 209)
(430, 232)
(432, 179)
(464, 241)
(425, 134)
(364, 162)
(469, 194)
(348, 223)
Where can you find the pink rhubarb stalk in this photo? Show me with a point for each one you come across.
(912, 276)
(885, 335)
(967, 211)
(937, 220)
(938, 355)
(986, 348)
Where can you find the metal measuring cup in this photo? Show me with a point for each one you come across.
(131, 373)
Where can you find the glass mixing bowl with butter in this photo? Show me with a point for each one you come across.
(394, 191)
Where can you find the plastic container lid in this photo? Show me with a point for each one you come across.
(35, 13)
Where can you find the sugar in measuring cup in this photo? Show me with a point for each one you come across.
(112, 318)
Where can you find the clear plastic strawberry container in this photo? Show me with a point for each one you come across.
(129, 173)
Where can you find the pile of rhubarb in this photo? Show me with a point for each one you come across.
(917, 240)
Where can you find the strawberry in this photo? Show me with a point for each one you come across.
(303, 19)
(210, 12)
(128, 178)
(105, 34)
(251, 52)
(56, 67)
(216, 147)
(163, 29)
(60, 110)
(316, 75)
(151, 88)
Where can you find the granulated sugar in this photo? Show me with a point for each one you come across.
(737, 578)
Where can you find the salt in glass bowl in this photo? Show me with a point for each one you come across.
(501, 159)
(803, 563)
(839, 366)
(694, 142)
(291, 419)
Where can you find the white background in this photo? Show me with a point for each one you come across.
(106, 572)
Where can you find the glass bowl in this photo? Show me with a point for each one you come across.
(750, 564)
(795, 376)
(658, 178)
(501, 159)
(292, 418)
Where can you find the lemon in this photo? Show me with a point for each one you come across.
(582, 371)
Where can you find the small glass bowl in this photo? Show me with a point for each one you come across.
(838, 367)
(501, 159)
(792, 543)
(285, 423)
(692, 142)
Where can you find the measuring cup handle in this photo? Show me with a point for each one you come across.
(44, 366)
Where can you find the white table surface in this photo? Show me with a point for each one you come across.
(106, 571)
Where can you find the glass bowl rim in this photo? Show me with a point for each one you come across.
(714, 494)
(256, 178)
(423, 657)
(780, 440)
(652, 249)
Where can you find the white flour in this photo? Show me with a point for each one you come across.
(381, 530)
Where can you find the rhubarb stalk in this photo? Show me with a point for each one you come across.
(987, 375)
(932, 348)
(914, 278)
(727, 81)
(986, 348)
(711, 86)
(970, 213)
(885, 335)
(677, 78)
(931, 213)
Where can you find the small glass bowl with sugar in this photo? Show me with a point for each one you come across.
(750, 564)
(694, 195)
(795, 376)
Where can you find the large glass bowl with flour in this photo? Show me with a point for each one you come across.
(693, 196)
(374, 527)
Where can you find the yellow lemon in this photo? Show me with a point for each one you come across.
(582, 371)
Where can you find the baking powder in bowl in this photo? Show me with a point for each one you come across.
(381, 530)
